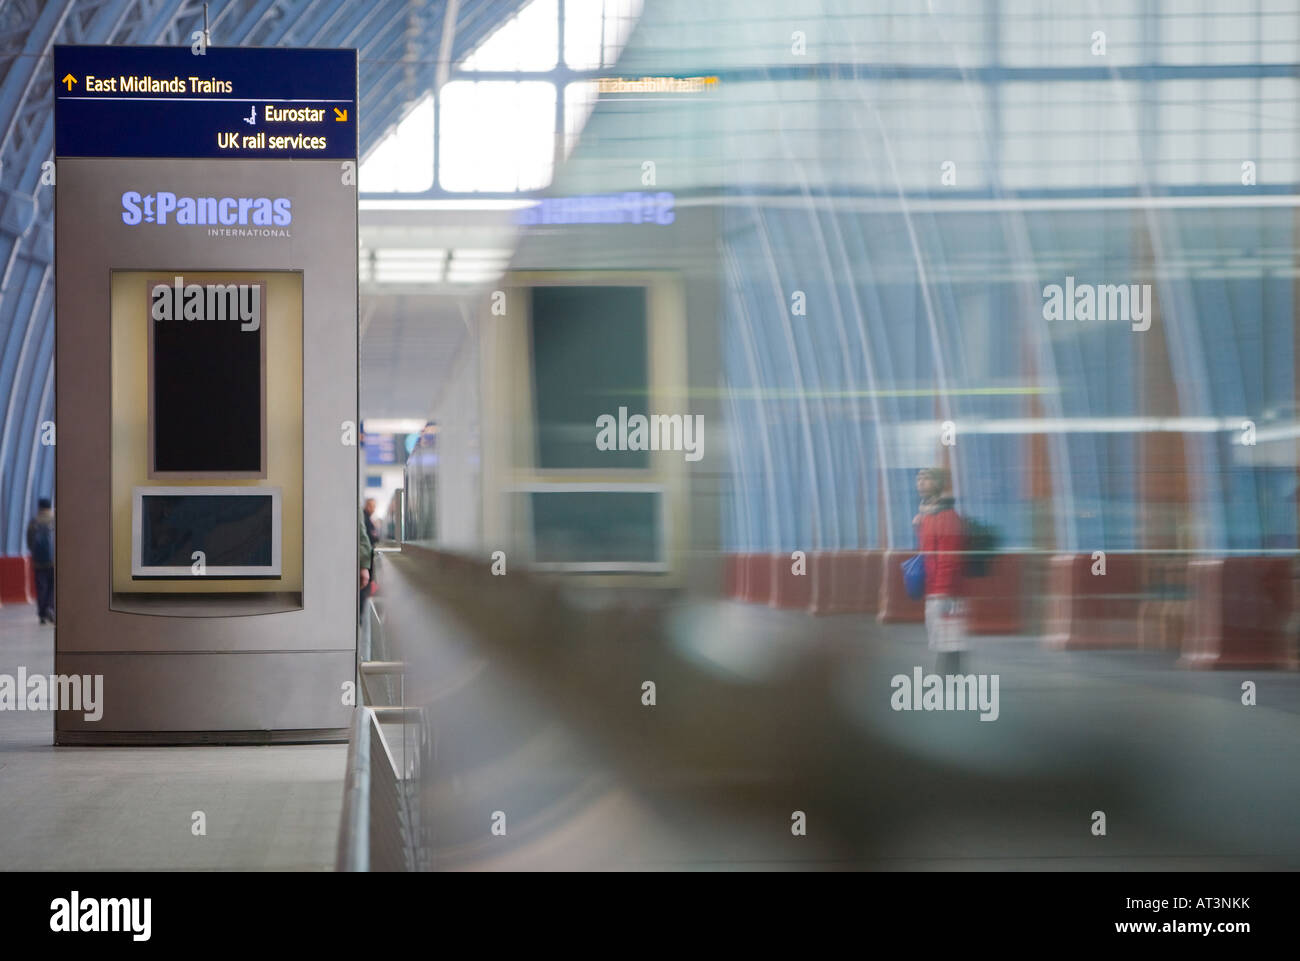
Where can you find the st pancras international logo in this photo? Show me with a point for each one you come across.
(222, 216)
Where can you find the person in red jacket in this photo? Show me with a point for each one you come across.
(941, 536)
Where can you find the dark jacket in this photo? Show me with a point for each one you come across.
(372, 531)
(43, 518)
(365, 551)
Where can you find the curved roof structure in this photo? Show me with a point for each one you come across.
(399, 43)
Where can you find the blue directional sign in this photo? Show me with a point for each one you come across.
(236, 103)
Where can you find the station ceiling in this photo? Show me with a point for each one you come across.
(399, 44)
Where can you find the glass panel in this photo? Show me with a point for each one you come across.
(527, 41)
(403, 162)
(496, 136)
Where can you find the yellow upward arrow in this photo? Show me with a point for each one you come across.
(69, 80)
(340, 115)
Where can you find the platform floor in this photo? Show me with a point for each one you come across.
(1189, 777)
(114, 809)
(762, 713)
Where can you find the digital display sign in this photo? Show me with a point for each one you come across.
(235, 103)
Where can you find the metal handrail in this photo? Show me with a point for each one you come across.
(371, 766)
(354, 828)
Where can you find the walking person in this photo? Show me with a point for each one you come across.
(365, 560)
(372, 527)
(941, 535)
(372, 532)
(40, 542)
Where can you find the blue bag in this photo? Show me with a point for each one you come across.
(914, 576)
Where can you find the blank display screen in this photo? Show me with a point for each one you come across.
(230, 530)
(207, 381)
(596, 527)
(589, 358)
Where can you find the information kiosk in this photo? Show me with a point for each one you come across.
(206, 391)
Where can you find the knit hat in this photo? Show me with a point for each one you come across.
(939, 475)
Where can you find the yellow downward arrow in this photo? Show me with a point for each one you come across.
(340, 115)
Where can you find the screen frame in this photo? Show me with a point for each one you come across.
(186, 572)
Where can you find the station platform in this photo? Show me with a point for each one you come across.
(133, 808)
(759, 713)
(534, 709)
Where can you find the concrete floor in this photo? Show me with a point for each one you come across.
(272, 808)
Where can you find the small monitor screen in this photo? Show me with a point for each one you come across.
(598, 530)
(237, 533)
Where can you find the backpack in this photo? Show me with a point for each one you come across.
(981, 541)
(43, 545)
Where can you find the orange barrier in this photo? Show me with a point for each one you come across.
(1163, 616)
(821, 565)
(868, 594)
(758, 578)
(845, 582)
(733, 576)
(1162, 625)
(993, 601)
(16, 583)
(1087, 610)
(1239, 614)
(895, 606)
(790, 590)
